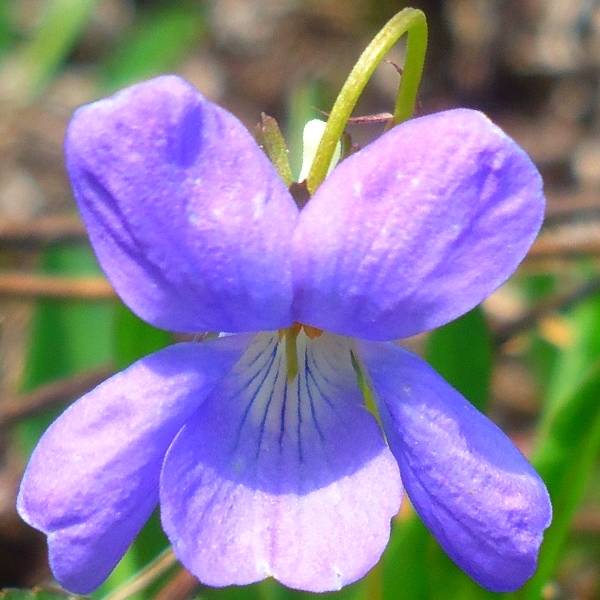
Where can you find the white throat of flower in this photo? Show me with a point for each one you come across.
(311, 137)
(289, 405)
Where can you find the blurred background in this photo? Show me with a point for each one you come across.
(529, 357)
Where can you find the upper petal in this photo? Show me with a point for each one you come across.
(471, 486)
(415, 229)
(289, 479)
(188, 219)
(92, 481)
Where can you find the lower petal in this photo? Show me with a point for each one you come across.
(289, 479)
(474, 490)
(92, 481)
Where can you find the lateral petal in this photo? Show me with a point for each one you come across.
(285, 479)
(415, 229)
(473, 489)
(188, 218)
(92, 481)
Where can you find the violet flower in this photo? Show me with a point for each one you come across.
(258, 444)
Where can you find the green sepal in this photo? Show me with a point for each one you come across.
(271, 140)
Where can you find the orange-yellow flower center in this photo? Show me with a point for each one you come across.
(291, 351)
(296, 328)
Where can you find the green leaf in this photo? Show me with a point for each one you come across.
(417, 568)
(405, 561)
(565, 460)
(35, 62)
(135, 338)
(7, 34)
(155, 44)
(574, 361)
(569, 433)
(68, 336)
(461, 352)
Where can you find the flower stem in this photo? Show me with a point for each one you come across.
(410, 21)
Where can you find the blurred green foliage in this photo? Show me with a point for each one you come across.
(35, 594)
(68, 337)
(154, 44)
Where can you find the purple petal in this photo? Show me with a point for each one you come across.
(416, 229)
(285, 479)
(92, 481)
(188, 218)
(471, 486)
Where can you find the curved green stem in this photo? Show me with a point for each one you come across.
(410, 21)
(416, 46)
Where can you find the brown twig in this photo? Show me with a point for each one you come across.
(544, 308)
(51, 395)
(572, 240)
(40, 231)
(180, 587)
(377, 118)
(587, 521)
(562, 206)
(146, 577)
(27, 285)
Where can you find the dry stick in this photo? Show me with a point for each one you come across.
(563, 205)
(180, 587)
(564, 249)
(51, 395)
(587, 520)
(530, 318)
(568, 238)
(27, 285)
(568, 241)
(148, 575)
(41, 231)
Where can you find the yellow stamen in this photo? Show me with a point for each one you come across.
(312, 332)
(366, 390)
(291, 351)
